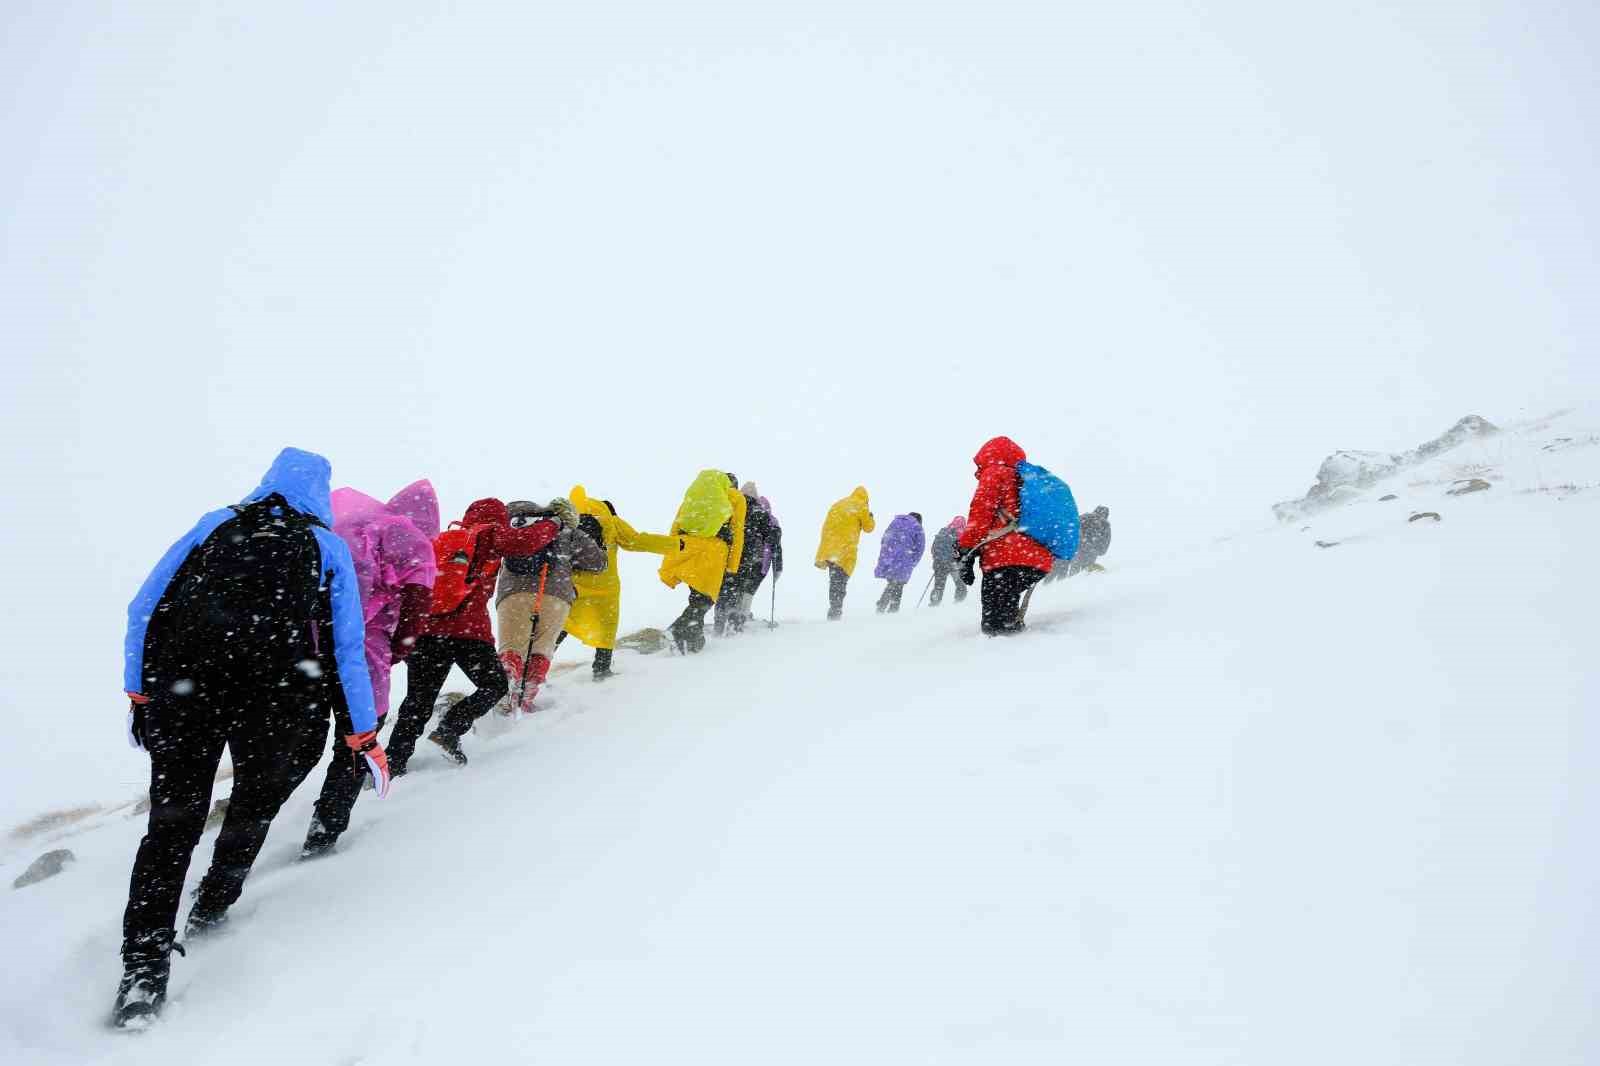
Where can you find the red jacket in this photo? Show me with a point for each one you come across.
(461, 594)
(996, 504)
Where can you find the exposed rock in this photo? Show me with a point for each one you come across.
(45, 866)
(1343, 475)
(219, 811)
(645, 641)
(1472, 484)
(1386, 499)
(1419, 515)
(1327, 544)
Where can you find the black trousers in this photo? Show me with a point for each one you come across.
(890, 600)
(940, 576)
(838, 580)
(427, 668)
(690, 627)
(274, 738)
(340, 788)
(727, 604)
(1003, 590)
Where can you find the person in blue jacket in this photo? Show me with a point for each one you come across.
(247, 635)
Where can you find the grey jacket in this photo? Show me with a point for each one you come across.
(571, 550)
(1095, 536)
(944, 553)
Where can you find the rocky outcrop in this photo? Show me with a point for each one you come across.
(1345, 475)
(44, 867)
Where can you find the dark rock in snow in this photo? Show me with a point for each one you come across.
(1343, 475)
(44, 867)
(1417, 516)
(1474, 484)
(1327, 544)
(1386, 499)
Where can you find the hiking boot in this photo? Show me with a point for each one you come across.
(319, 842)
(203, 922)
(450, 744)
(143, 989)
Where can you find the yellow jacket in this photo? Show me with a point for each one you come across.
(842, 529)
(702, 562)
(598, 609)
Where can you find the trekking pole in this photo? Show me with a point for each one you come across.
(772, 619)
(1022, 609)
(533, 629)
(925, 589)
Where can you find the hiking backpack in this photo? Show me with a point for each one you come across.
(591, 525)
(706, 507)
(1049, 513)
(457, 551)
(250, 595)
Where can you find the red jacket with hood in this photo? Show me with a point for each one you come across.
(468, 617)
(995, 504)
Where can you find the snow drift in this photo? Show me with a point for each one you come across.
(1265, 802)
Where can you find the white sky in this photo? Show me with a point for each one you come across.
(1179, 251)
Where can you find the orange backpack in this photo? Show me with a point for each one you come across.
(459, 552)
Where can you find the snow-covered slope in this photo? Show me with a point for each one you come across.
(1265, 802)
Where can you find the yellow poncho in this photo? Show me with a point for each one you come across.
(842, 529)
(701, 562)
(598, 609)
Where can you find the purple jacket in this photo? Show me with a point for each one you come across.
(901, 549)
(391, 545)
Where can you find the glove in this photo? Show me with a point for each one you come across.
(565, 512)
(969, 569)
(136, 725)
(365, 746)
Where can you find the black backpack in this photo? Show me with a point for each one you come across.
(252, 594)
(591, 525)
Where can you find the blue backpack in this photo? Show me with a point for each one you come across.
(1049, 513)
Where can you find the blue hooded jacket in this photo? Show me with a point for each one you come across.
(302, 478)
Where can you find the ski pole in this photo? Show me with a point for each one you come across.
(533, 629)
(925, 589)
(772, 619)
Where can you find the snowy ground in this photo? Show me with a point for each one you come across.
(1265, 802)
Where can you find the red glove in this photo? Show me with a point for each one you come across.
(136, 727)
(366, 746)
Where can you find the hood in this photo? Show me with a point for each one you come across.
(300, 477)
(418, 502)
(353, 505)
(587, 504)
(958, 523)
(1001, 451)
(749, 489)
(487, 511)
(1103, 511)
(860, 493)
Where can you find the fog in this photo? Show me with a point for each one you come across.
(1179, 252)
